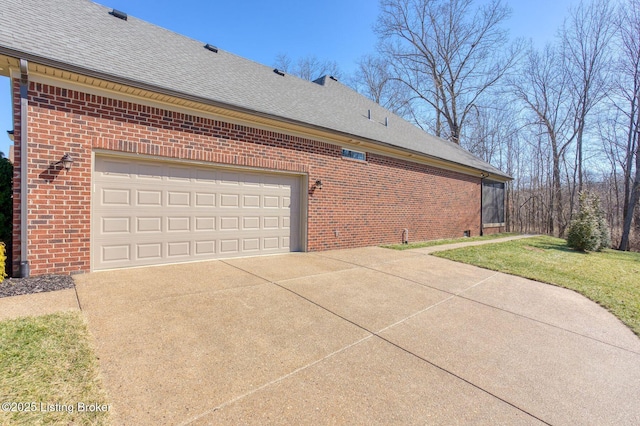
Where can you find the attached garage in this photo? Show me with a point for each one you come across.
(122, 162)
(157, 212)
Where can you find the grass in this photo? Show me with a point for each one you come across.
(447, 241)
(610, 278)
(48, 360)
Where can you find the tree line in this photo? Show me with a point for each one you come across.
(561, 119)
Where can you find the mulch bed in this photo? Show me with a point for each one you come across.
(38, 284)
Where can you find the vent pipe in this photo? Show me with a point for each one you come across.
(386, 122)
(369, 114)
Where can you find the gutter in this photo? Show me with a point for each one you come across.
(24, 188)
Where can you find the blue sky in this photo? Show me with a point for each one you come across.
(339, 30)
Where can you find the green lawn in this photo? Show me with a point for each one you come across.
(610, 278)
(47, 367)
(431, 243)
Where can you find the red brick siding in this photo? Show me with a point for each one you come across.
(493, 230)
(360, 204)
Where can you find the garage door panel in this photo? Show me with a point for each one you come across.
(206, 175)
(205, 223)
(151, 172)
(178, 249)
(116, 196)
(179, 174)
(178, 199)
(270, 201)
(229, 223)
(115, 253)
(228, 246)
(149, 197)
(178, 224)
(250, 244)
(271, 243)
(148, 213)
(116, 225)
(205, 199)
(115, 169)
(229, 178)
(229, 200)
(149, 224)
(251, 201)
(205, 247)
(149, 251)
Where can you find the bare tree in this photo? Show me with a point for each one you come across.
(628, 23)
(543, 88)
(308, 67)
(373, 78)
(448, 53)
(586, 37)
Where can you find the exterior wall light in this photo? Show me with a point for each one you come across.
(318, 184)
(66, 162)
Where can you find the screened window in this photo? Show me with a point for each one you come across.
(356, 155)
(492, 202)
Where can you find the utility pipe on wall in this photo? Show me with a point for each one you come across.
(24, 188)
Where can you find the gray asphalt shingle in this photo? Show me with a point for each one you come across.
(84, 37)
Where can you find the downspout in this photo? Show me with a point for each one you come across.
(24, 107)
(482, 176)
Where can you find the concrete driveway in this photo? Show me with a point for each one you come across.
(362, 336)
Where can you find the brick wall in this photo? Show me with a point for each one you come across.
(360, 204)
(493, 230)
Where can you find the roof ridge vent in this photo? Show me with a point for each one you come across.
(277, 71)
(211, 47)
(119, 14)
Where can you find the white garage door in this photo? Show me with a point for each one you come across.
(147, 213)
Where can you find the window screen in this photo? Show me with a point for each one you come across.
(492, 202)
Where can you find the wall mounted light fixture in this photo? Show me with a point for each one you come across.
(318, 184)
(66, 162)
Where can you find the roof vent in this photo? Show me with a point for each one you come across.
(369, 114)
(386, 121)
(211, 48)
(333, 78)
(277, 71)
(118, 14)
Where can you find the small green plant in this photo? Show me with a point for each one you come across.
(3, 258)
(589, 232)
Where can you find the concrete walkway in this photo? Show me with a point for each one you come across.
(38, 304)
(433, 249)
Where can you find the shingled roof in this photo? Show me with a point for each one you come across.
(83, 37)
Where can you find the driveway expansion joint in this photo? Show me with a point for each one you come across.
(371, 334)
(460, 294)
